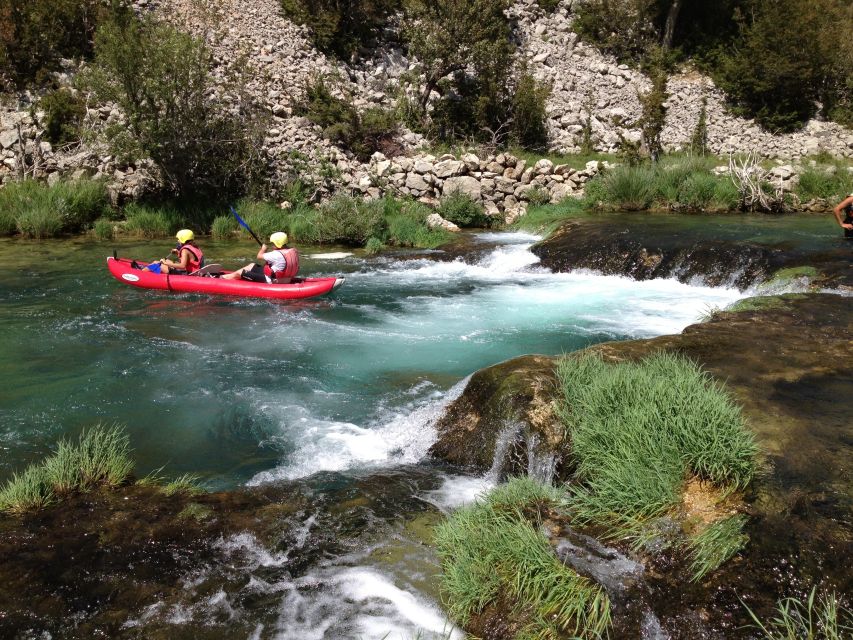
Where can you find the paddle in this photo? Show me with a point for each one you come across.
(243, 224)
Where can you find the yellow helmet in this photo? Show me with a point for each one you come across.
(279, 239)
(184, 236)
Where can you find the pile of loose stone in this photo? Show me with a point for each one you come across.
(588, 88)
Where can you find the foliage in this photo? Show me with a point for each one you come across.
(407, 226)
(362, 133)
(653, 103)
(461, 210)
(623, 28)
(529, 117)
(698, 190)
(699, 138)
(160, 79)
(104, 229)
(639, 429)
(223, 227)
(546, 218)
(43, 211)
(538, 196)
(35, 35)
(548, 6)
(63, 113)
(818, 618)
(464, 54)
(786, 61)
(340, 27)
(345, 220)
(493, 551)
(144, 221)
(374, 246)
(832, 182)
(630, 188)
(100, 457)
(716, 545)
(8, 224)
(265, 218)
(186, 484)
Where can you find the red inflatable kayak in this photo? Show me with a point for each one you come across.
(122, 270)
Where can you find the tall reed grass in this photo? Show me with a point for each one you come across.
(494, 550)
(147, 221)
(43, 211)
(639, 429)
(101, 456)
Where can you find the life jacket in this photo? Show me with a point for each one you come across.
(291, 266)
(196, 257)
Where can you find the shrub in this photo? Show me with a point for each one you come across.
(374, 246)
(538, 196)
(100, 457)
(544, 219)
(630, 188)
(145, 222)
(265, 218)
(465, 55)
(8, 225)
(104, 229)
(833, 183)
(351, 221)
(35, 35)
(461, 210)
(340, 28)
(63, 113)
(726, 195)
(698, 190)
(223, 227)
(494, 552)
(529, 118)
(639, 429)
(160, 78)
(623, 29)
(407, 227)
(42, 211)
(40, 221)
(342, 124)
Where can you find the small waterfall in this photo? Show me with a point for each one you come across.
(541, 465)
(507, 437)
(622, 579)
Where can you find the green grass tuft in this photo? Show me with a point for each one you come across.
(100, 457)
(103, 229)
(639, 429)
(716, 544)
(495, 549)
(818, 618)
(224, 227)
(149, 222)
(43, 211)
(187, 484)
(545, 219)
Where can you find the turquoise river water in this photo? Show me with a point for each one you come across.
(246, 392)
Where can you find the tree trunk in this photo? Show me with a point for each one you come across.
(669, 28)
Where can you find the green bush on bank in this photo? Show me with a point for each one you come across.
(100, 457)
(461, 210)
(831, 182)
(494, 552)
(146, 221)
(43, 211)
(639, 430)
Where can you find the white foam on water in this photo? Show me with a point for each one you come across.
(459, 491)
(334, 255)
(358, 602)
(245, 549)
(325, 445)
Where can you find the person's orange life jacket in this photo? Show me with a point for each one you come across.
(291, 265)
(196, 257)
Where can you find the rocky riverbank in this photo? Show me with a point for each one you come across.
(787, 361)
(281, 58)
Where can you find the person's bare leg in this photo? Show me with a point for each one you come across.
(235, 275)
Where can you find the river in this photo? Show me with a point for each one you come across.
(324, 392)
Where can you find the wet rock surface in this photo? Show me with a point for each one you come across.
(135, 563)
(629, 245)
(789, 363)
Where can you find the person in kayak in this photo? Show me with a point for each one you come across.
(280, 265)
(191, 257)
(845, 206)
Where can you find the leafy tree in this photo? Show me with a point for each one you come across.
(528, 113)
(340, 27)
(160, 79)
(451, 37)
(34, 34)
(362, 133)
(63, 113)
(781, 66)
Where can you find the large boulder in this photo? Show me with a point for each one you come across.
(463, 184)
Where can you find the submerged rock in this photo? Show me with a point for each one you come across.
(644, 247)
